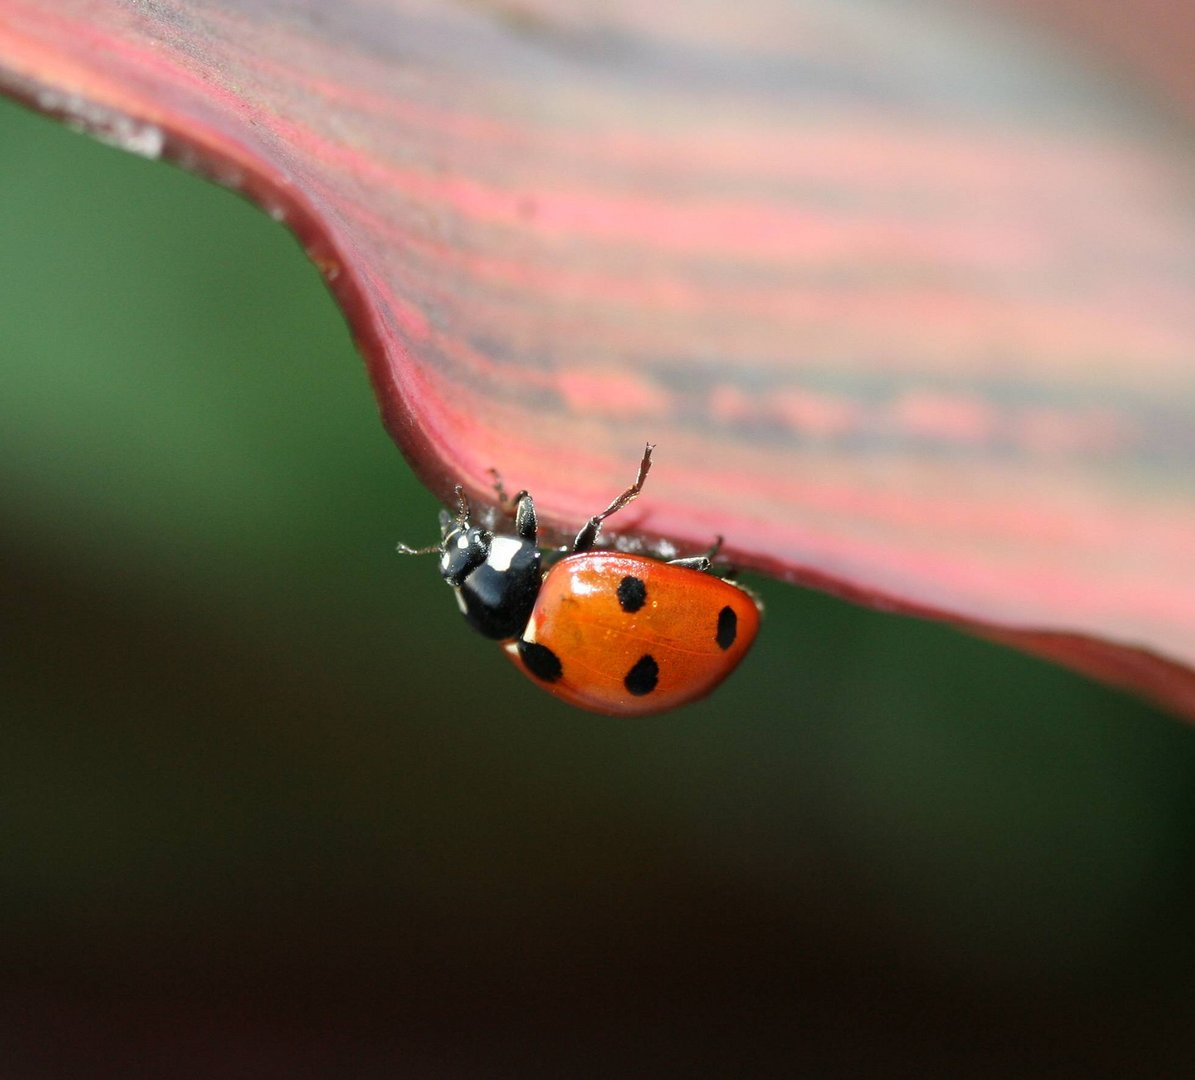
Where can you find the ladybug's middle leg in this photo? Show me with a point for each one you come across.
(589, 531)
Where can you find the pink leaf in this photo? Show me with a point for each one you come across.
(906, 296)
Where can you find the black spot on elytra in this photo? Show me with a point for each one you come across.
(728, 627)
(632, 594)
(540, 660)
(642, 678)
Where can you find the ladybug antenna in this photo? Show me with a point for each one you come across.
(589, 531)
(462, 504)
(446, 520)
(403, 549)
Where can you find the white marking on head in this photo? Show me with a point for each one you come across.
(503, 549)
(444, 561)
(462, 542)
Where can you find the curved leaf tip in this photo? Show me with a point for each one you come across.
(906, 298)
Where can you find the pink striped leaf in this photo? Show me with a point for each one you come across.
(905, 294)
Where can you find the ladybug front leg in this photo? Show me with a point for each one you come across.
(526, 524)
(521, 508)
(589, 531)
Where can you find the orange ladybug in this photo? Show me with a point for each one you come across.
(625, 635)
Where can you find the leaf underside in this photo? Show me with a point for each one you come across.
(905, 295)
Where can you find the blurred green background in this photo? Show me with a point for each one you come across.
(268, 808)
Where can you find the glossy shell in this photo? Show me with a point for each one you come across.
(497, 597)
(629, 636)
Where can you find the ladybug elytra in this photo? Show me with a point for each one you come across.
(614, 633)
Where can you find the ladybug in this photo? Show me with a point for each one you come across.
(615, 633)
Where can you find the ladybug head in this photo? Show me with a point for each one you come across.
(496, 578)
(462, 550)
(463, 547)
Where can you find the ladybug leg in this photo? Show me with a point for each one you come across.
(504, 500)
(526, 524)
(499, 487)
(589, 531)
(699, 562)
(521, 507)
(704, 562)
